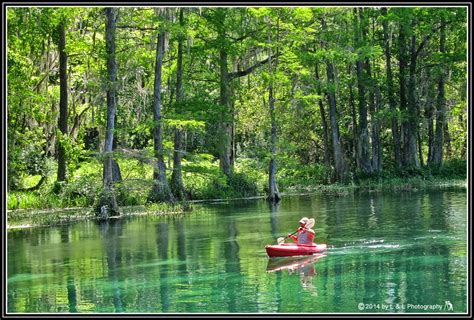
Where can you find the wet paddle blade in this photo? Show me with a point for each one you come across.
(280, 240)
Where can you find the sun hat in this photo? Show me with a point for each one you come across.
(304, 220)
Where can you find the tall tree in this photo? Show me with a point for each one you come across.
(63, 99)
(390, 92)
(402, 78)
(327, 151)
(411, 133)
(177, 186)
(161, 190)
(108, 204)
(218, 18)
(429, 115)
(354, 118)
(340, 162)
(225, 126)
(273, 193)
(363, 149)
(374, 104)
(437, 158)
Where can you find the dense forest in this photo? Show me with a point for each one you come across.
(124, 106)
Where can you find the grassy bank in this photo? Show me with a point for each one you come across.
(412, 184)
(22, 218)
(203, 180)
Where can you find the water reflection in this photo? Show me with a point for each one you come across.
(274, 207)
(65, 234)
(232, 266)
(162, 245)
(111, 232)
(304, 266)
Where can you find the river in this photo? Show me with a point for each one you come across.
(388, 253)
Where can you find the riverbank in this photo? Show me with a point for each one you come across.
(26, 218)
(413, 184)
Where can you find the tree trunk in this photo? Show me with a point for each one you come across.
(116, 174)
(411, 157)
(108, 203)
(273, 193)
(63, 101)
(429, 114)
(177, 186)
(402, 58)
(225, 147)
(420, 149)
(440, 104)
(327, 152)
(161, 190)
(233, 151)
(225, 126)
(376, 100)
(340, 162)
(390, 94)
(447, 140)
(363, 149)
(354, 121)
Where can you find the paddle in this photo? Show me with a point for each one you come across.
(282, 239)
(308, 225)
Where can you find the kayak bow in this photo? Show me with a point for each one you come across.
(289, 249)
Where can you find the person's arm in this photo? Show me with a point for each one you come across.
(293, 237)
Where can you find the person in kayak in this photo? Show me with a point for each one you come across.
(305, 235)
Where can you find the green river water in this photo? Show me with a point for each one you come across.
(388, 253)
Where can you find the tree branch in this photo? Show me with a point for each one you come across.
(136, 28)
(425, 40)
(233, 75)
(427, 67)
(52, 65)
(77, 122)
(245, 35)
(36, 187)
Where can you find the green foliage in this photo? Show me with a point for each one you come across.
(455, 168)
(104, 199)
(299, 42)
(293, 174)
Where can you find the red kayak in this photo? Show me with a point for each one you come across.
(290, 249)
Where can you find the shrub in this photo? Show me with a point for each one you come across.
(242, 186)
